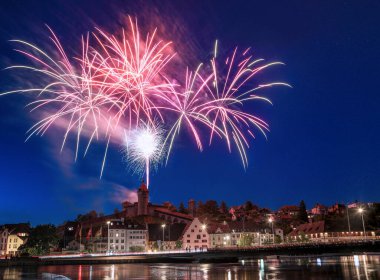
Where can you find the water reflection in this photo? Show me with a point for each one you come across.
(345, 267)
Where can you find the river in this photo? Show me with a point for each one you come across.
(294, 268)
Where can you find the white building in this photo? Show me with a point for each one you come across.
(16, 235)
(126, 237)
(196, 236)
(14, 241)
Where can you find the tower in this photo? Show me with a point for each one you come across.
(142, 199)
(191, 207)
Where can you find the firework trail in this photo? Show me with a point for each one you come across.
(120, 83)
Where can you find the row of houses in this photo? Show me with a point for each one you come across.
(119, 236)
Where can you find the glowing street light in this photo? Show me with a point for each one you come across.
(108, 236)
(163, 236)
(204, 226)
(361, 211)
(270, 220)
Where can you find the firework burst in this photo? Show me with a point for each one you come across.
(144, 148)
(119, 85)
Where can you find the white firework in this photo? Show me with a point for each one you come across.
(144, 148)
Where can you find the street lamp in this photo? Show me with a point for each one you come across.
(163, 236)
(361, 211)
(203, 226)
(108, 236)
(270, 220)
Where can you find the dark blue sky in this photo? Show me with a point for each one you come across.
(325, 132)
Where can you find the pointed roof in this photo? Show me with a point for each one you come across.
(143, 187)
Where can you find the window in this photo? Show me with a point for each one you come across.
(188, 241)
(204, 235)
(111, 240)
(198, 236)
(192, 230)
(122, 247)
(122, 241)
(188, 235)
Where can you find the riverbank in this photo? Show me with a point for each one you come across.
(211, 256)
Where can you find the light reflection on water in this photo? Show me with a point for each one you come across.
(345, 267)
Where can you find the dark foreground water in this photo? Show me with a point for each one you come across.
(345, 267)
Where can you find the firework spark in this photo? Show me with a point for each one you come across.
(144, 147)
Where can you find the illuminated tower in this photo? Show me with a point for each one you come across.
(191, 207)
(142, 199)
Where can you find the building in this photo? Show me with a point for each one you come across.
(17, 236)
(127, 236)
(144, 208)
(337, 209)
(235, 234)
(319, 210)
(288, 212)
(3, 240)
(196, 236)
(324, 231)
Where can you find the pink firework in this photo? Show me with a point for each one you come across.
(120, 83)
(134, 68)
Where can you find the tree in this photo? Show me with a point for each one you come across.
(155, 246)
(223, 208)
(277, 239)
(248, 206)
(41, 239)
(182, 209)
(209, 209)
(87, 217)
(246, 240)
(302, 214)
(178, 244)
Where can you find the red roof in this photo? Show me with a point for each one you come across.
(143, 187)
(309, 228)
(171, 213)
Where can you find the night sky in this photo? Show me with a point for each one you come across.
(325, 131)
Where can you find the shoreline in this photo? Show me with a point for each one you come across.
(211, 256)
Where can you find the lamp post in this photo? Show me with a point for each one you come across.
(361, 211)
(108, 237)
(270, 220)
(163, 234)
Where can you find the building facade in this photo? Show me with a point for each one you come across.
(196, 236)
(125, 236)
(3, 240)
